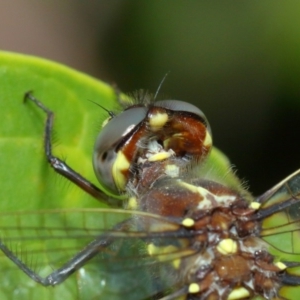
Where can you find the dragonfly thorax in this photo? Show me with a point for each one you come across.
(223, 254)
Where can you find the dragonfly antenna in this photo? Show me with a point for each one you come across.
(162, 81)
(111, 114)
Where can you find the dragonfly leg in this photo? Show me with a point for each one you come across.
(60, 275)
(60, 166)
(288, 279)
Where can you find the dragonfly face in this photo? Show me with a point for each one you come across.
(181, 235)
(167, 134)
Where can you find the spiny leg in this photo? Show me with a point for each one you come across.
(80, 259)
(60, 166)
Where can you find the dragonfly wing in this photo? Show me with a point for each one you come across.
(280, 215)
(286, 190)
(46, 240)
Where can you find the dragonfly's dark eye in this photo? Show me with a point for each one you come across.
(181, 106)
(109, 139)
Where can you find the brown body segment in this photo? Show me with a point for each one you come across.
(228, 261)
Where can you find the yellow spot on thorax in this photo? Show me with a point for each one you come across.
(159, 156)
(280, 265)
(157, 121)
(227, 247)
(132, 203)
(121, 164)
(192, 188)
(255, 205)
(194, 288)
(172, 170)
(206, 203)
(188, 222)
(239, 293)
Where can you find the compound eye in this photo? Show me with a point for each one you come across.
(115, 132)
(177, 105)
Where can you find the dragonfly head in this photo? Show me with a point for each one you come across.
(164, 133)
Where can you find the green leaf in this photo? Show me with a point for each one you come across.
(27, 181)
(77, 121)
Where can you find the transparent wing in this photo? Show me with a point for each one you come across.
(125, 268)
(280, 215)
(280, 225)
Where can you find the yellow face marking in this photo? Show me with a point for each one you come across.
(188, 222)
(194, 288)
(208, 140)
(121, 164)
(132, 203)
(255, 205)
(238, 293)
(159, 156)
(280, 265)
(157, 121)
(227, 247)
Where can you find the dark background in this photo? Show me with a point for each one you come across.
(239, 61)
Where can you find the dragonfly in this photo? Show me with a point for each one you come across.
(185, 230)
